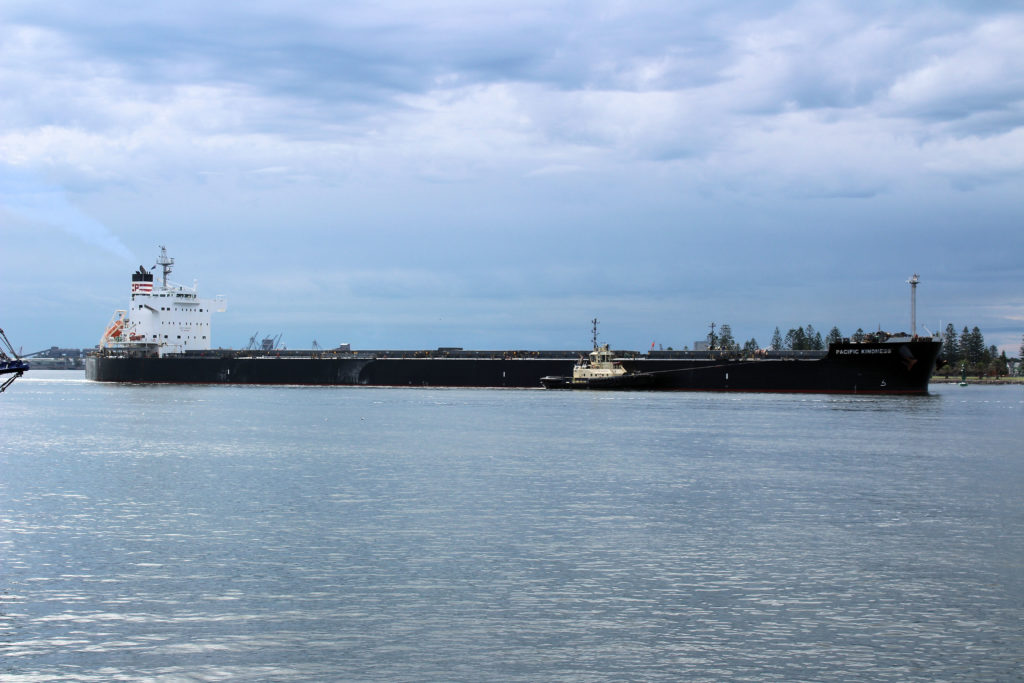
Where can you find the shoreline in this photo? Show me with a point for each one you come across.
(983, 380)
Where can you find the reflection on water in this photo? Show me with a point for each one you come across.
(288, 533)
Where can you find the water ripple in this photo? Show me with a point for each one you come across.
(286, 534)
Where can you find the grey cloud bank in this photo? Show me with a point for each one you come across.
(496, 174)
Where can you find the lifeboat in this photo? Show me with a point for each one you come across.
(114, 331)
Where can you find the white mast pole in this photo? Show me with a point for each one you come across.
(913, 303)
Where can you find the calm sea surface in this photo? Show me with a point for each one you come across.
(354, 534)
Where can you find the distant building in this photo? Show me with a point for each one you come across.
(56, 358)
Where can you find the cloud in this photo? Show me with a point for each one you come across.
(978, 160)
(479, 147)
(142, 91)
(964, 74)
(24, 195)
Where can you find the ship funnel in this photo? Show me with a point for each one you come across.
(142, 281)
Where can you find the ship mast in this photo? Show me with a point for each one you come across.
(913, 303)
(593, 336)
(165, 262)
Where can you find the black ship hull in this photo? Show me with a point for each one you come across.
(886, 367)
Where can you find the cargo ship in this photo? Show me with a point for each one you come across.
(164, 336)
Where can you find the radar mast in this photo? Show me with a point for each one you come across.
(165, 262)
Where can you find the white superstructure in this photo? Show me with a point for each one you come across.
(162, 317)
(600, 365)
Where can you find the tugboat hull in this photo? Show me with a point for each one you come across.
(640, 380)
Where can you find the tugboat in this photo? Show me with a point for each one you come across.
(10, 363)
(599, 370)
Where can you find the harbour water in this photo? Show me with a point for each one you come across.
(208, 533)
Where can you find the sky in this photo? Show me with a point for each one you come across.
(493, 175)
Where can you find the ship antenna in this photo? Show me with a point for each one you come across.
(165, 262)
(593, 337)
(913, 303)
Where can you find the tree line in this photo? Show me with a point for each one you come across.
(796, 339)
(965, 350)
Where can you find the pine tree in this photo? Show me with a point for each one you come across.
(777, 341)
(796, 339)
(858, 336)
(814, 341)
(950, 347)
(725, 340)
(964, 346)
(977, 346)
(834, 336)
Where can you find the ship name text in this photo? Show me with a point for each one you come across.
(861, 352)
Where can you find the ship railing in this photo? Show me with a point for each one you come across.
(767, 354)
(436, 354)
(122, 350)
(433, 354)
